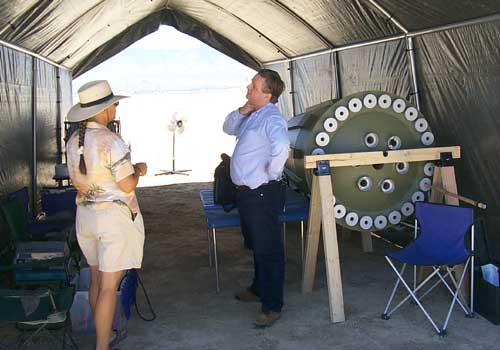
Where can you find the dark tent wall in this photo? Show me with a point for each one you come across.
(459, 90)
(321, 78)
(15, 119)
(30, 91)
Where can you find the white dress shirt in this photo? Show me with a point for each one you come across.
(262, 146)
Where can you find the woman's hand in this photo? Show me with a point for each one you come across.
(142, 167)
(129, 183)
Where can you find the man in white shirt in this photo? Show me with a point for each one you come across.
(256, 168)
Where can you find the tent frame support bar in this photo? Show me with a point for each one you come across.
(32, 54)
(409, 49)
(480, 20)
(389, 16)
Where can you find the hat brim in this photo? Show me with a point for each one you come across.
(77, 113)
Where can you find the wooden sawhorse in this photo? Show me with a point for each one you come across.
(321, 213)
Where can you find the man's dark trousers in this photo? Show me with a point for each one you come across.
(259, 212)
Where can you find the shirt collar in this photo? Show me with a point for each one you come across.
(257, 111)
(95, 125)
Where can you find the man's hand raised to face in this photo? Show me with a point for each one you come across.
(246, 109)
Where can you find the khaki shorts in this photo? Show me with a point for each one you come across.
(109, 238)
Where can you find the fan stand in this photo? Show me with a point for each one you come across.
(173, 171)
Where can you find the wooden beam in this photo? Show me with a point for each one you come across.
(330, 243)
(381, 157)
(313, 232)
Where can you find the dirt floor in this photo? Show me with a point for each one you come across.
(190, 315)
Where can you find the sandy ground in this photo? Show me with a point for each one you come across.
(190, 315)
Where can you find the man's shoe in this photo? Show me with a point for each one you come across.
(267, 319)
(247, 296)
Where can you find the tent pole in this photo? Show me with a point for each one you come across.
(337, 73)
(58, 116)
(486, 19)
(33, 134)
(409, 48)
(292, 88)
(413, 69)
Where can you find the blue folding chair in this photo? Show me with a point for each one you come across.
(440, 245)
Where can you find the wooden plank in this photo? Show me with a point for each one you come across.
(332, 260)
(460, 198)
(379, 157)
(366, 241)
(444, 177)
(437, 180)
(312, 239)
(449, 184)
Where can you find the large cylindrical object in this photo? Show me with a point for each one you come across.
(370, 197)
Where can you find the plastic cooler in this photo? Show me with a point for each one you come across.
(81, 315)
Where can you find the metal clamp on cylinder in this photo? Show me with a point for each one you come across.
(322, 168)
(445, 159)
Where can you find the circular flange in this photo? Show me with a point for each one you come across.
(366, 222)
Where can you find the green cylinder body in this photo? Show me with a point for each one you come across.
(364, 122)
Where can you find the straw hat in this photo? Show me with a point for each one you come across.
(95, 96)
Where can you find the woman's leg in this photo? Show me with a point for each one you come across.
(105, 307)
(94, 287)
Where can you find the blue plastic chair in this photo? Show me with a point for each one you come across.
(39, 228)
(440, 245)
(296, 209)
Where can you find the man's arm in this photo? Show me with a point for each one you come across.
(277, 133)
(234, 119)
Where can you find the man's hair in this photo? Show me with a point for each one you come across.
(273, 83)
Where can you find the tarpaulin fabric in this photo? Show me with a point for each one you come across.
(459, 75)
(382, 67)
(74, 33)
(178, 20)
(46, 122)
(19, 74)
(320, 72)
(15, 120)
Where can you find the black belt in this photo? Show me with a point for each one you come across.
(244, 188)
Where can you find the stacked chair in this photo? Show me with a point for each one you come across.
(38, 240)
(63, 220)
(442, 244)
(40, 261)
(37, 314)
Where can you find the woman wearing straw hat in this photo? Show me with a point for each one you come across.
(109, 224)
